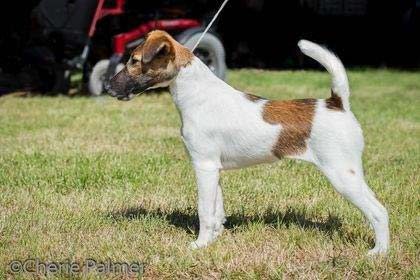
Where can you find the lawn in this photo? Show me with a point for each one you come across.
(94, 178)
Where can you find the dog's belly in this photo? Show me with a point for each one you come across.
(246, 150)
(232, 162)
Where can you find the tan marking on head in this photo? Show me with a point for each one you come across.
(154, 63)
(253, 98)
(158, 38)
(295, 117)
(154, 56)
(334, 102)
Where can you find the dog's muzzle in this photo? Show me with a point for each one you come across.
(113, 93)
(123, 86)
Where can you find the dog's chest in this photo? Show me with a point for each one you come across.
(233, 132)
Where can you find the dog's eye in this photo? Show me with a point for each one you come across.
(134, 60)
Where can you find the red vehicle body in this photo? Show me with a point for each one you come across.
(122, 40)
(66, 40)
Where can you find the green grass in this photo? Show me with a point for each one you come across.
(96, 178)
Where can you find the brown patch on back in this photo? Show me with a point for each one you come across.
(253, 98)
(352, 171)
(296, 117)
(334, 102)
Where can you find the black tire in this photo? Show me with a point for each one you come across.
(210, 50)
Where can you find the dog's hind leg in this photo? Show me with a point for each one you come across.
(336, 145)
(348, 180)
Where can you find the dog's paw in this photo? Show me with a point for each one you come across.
(218, 231)
(377, 251)
(197, 244)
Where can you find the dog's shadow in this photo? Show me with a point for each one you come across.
(188, 221)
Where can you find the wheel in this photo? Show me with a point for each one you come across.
(97, 76)
(210, 51)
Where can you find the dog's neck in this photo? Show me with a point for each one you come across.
(192, 84)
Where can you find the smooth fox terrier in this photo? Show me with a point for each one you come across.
(223, 128)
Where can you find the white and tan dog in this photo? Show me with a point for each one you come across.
(223, 128)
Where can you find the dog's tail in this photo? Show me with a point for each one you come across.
(339, 83)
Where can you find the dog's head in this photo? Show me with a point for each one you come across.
(153, 64)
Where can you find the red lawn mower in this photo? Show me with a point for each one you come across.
(69, 39)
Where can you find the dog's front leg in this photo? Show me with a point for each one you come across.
(207, 181)
(220, 213)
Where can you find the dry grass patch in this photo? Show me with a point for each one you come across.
(95, 178)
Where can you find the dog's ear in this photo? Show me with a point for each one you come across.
(154, 48)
